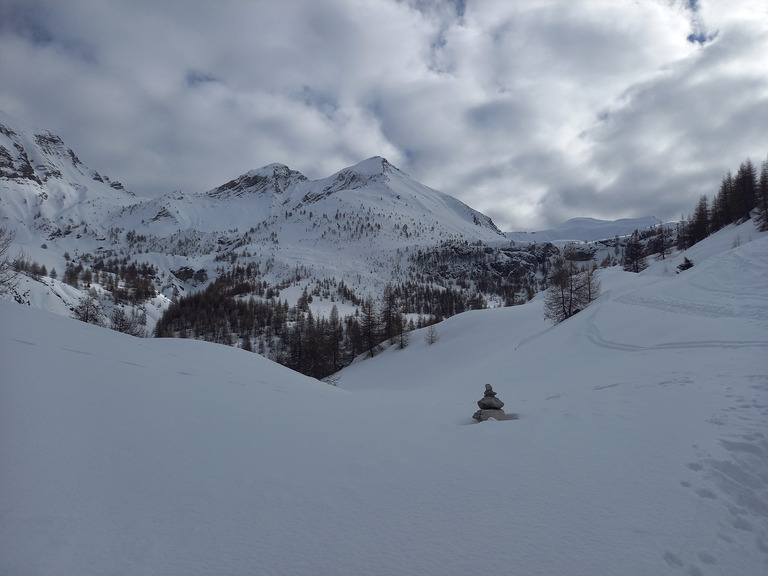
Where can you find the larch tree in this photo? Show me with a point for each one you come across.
(403, 333)
(370, 326)
(744, 192)
(634, 254)
(132, 324)
(700, 222)
(335, 338)
(762, 199)
(88, 309)
(431, 336)
(662, 241)
(9, 275)
(571, 288)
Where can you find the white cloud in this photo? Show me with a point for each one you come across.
(530, 112)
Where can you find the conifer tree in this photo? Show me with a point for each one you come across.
(354, 338)
(699, 228)
(744, 192)
(661, 243)
(404, 333)
(762, 198)
(389, 313)
(634, 254)
(431, 336)
(683, 233)
(369, 326)
(721, 206)
(334, 338)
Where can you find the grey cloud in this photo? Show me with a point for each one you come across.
(672, 139)
(530, 112)
(507, 116)
(195, 77)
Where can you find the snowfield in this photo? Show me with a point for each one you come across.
(640, 445)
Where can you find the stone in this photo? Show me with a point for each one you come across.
(489, 400)
(483, 415)
(490, 406)
(490, 403)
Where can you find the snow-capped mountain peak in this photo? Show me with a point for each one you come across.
(39, 156)
(273, 179)
(374, 166)
(44, 186)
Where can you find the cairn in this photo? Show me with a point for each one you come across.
(490, 406)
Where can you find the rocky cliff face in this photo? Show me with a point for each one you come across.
(274, 179)
(33, 155)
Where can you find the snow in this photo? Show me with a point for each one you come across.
(640, 445)
(586, 230)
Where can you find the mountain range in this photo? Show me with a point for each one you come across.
(367, 226)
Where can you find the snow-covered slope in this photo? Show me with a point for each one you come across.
(640, 445)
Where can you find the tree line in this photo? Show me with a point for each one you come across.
(127, 282)
(230, 311)
(739, 197)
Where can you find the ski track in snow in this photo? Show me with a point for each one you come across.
(593, 335)
(693, 308)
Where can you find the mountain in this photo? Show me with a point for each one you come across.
(639, 445)
(372, 202)
(372, 211)
(270, 243)
(586, 230)
(45, 190)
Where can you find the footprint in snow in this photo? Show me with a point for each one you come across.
(704, 493)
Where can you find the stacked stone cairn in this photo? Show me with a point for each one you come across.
(490, 406)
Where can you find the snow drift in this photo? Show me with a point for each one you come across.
(640, 448)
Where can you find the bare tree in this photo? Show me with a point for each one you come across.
(9, 273)
(589, 285)
(432, 336)
(404, 333)
(88, 309)
(571, 288)
(558, 302)
(132, 324)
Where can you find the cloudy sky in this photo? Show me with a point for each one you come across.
(531, 111)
